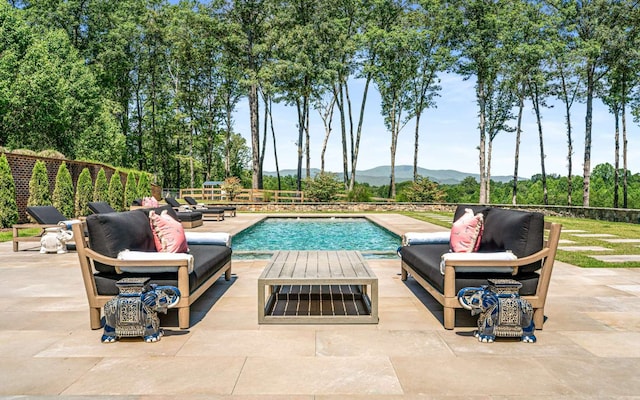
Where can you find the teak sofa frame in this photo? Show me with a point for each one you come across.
(449, 299)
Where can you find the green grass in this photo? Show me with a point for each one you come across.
(7, 235)
(578, 258)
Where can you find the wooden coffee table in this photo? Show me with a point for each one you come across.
(307, 287)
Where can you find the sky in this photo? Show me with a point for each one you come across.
(449, 136)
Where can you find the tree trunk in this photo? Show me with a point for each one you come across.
(356, 147)
(275, 148)
(327, 119)
(301, 125)
(307, 136)
(586, 177)
(227, 138)
(481, 149)
(616, 156)
(343, 127)
(624, 143)
(488, 187)
(514, 195)
(567, 106)
(255, 135)
(415, 146)
(263, 149)
(536, 105)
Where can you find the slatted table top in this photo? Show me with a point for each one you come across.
(315, 267)
(317, 287)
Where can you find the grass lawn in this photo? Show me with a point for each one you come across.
(579, 258)
(6, 235)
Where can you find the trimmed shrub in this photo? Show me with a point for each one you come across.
(101, 189)
(422, 190)
(84, 193)
(323, 187)
(39, 194)
(144, 186)
(8, 206)
(116, 192)
(130, 189)
(359, 194)
(63, 192)
(25, 152)
(51, 154)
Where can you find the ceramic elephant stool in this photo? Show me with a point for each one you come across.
(55, 240)
(502, 311)
(134, 312)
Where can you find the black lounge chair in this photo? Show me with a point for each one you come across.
(100, 207)
(230, 211)
(188, 217)
(218, 213)
(45, 217)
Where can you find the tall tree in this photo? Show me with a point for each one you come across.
(433, 55)
(250, 26)
(591, 24)
(481, 28)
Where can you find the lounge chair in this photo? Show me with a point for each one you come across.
(100, 207)
(45, 217)
(218, 213)
(229, 211)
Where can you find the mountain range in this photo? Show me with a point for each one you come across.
(379, 176)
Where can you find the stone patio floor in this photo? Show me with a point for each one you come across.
(589, 348)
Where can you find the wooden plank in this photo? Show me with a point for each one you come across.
(318, 287)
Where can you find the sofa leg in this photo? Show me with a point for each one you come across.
(449, 317)
(538, 317)
(183, 317)
(94, 318)
(227, 274)
(403, 274)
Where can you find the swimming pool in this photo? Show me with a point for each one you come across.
(329, 233)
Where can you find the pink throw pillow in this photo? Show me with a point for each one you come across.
(466, 232)
(168, 234)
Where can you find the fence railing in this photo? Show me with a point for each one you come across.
(245, 195)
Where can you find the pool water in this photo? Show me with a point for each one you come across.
(271, 234)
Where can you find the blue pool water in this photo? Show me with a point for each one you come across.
(316, 234)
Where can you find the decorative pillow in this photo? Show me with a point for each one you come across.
(149, 202)
(168, 233)
(466, 232)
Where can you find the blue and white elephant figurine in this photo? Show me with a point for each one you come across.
(502, 311)
(134, 312)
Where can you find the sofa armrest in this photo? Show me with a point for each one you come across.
(451, 266)
(171, 265)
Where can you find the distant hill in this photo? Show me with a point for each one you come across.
(379, 176)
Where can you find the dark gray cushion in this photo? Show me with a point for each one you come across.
(425, 260)
(208, 259)
(100, 207)
(189, 216)
(518, 231)
(113, 232)
(47, 215)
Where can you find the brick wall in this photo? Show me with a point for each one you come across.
(22, 168)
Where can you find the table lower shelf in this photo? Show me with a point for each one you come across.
(318, 304)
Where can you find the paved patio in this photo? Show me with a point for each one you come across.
(589, 348)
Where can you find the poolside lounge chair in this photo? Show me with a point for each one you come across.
(217, 213)
(229, 211)
(100, 207)
(45, 216)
